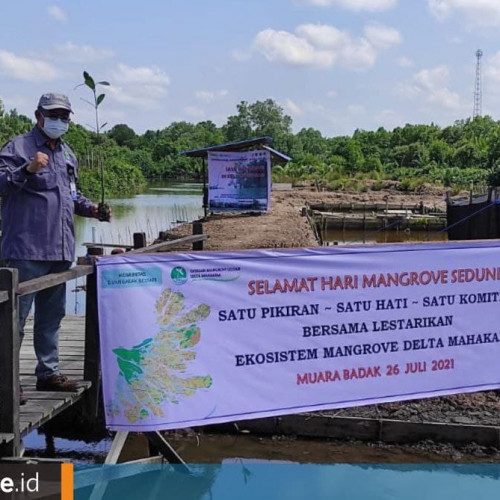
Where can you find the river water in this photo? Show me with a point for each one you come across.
(356, 237)
(161, 206)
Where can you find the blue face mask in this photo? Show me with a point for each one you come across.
(54, 127)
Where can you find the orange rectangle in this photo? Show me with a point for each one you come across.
(67, 490)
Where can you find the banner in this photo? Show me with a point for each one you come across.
(239, 182)
(193, 339)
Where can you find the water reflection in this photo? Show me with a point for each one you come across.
(78, 450)
(161, 206)
(352, 237)
(290, 481)
(254, 467)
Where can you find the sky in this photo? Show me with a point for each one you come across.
(333, 65)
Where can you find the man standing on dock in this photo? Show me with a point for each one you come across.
(38, 173)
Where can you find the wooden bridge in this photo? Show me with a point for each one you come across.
(78, 349)
(42, 406)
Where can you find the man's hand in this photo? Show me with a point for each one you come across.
(102, 212)
(39, 161)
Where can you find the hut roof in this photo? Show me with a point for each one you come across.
(246, 145)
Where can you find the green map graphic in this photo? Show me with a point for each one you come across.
(151, 373)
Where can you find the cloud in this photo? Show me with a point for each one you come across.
(323, 35)
(474, 12)
(332, 93)
(382, 37)
(305, 108)
(321, 46)
(210, 96)
(240, 55)
(446, 98)
(491, 74)
(432, 85)
(389, 119)
(195, 112)
(287, 48)
(27, 69)
(356, 109)
(293, 108)
(405, 62)
(151, 76)
(355, 5)
(314, 107)
(57, 13)
(408, 90)
(492, 69)
(81, 53)
(142, 86)
(432, 79)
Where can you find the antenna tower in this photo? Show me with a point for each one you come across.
(478, 93)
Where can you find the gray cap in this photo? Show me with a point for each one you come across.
(54, 101)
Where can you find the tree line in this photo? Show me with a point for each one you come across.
(460, 155)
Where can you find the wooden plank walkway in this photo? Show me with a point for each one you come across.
(42, 405)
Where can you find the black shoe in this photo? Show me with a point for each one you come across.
(22, 398)
(58, 382)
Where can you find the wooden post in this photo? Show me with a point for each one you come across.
(205, 189)
(91, 367)
(197, 229)
(160, 444)
(140, 240)
(9, 364)
(95, 251)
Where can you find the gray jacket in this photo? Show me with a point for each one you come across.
(38, 209)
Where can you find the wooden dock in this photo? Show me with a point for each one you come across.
(42, 406)
(396, 219)
(369, 216)
(79, 358)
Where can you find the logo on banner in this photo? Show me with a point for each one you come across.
(179, 275)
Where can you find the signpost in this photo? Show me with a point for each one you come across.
(239, 181)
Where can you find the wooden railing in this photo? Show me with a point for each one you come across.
(9, 362)
(10, 291)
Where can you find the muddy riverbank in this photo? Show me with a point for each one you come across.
(285, 227)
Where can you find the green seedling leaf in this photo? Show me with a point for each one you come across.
(100, 99)
(103, 83)
(89, 81)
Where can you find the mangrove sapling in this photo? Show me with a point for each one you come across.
(103, 210)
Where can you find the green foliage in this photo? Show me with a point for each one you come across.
(120, 177)
(259, 119)
(458, 156)
(12, 124)
(123, 135)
